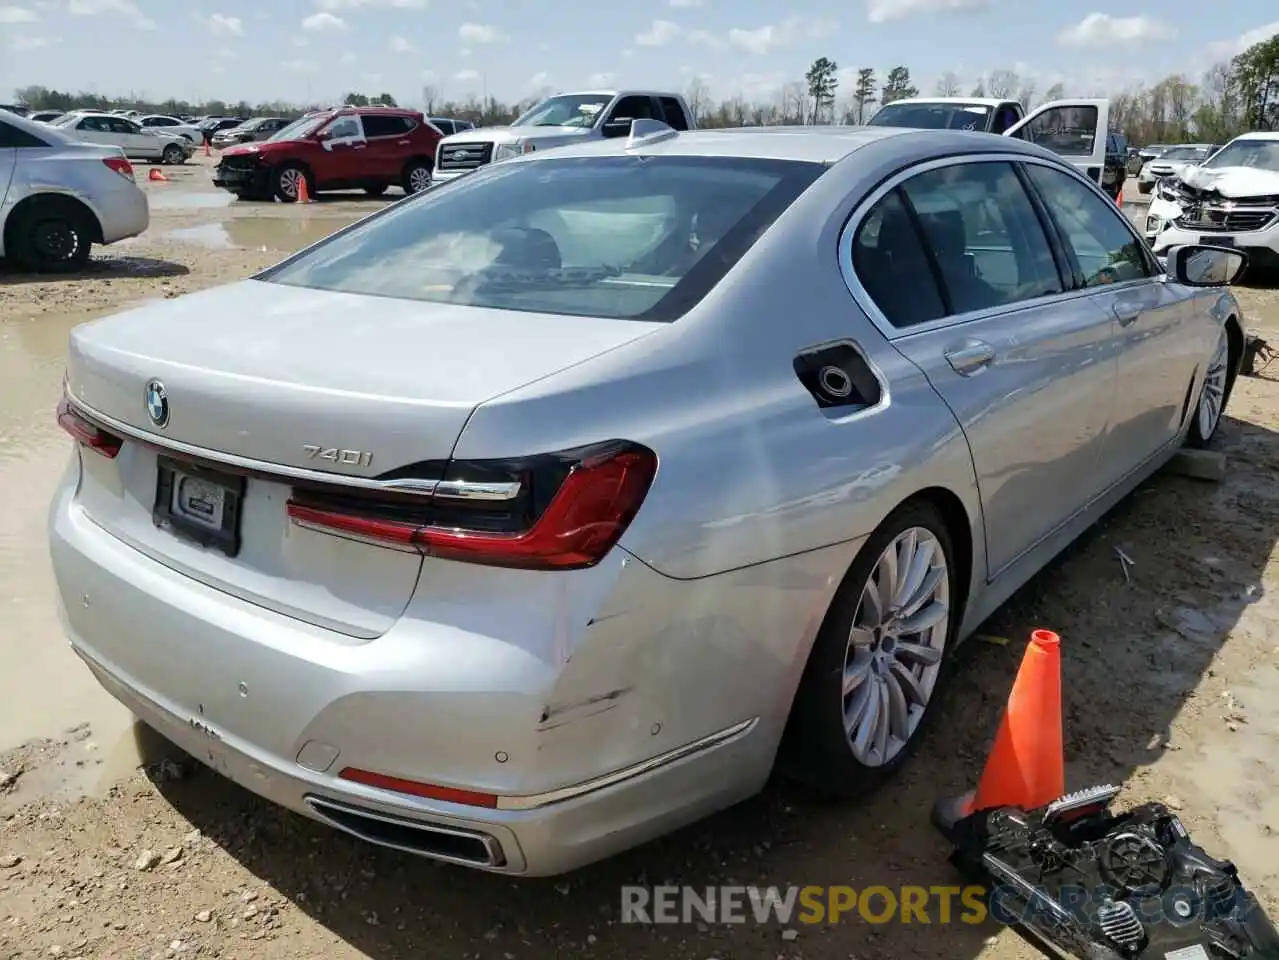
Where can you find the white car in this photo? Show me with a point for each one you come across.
(172, 125)
(1231, 200)
(1168, 162)
(59, 196)
(137, 142)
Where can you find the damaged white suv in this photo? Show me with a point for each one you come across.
(1232, 200)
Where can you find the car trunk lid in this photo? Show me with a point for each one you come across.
(269, 387)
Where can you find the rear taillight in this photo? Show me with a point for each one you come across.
(120, 165)
(88, 434)
(565, 511)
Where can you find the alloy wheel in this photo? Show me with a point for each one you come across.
(419, 179)
(1212, 398)
(289, 182)
(895, 646)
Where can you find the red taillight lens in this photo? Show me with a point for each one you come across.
(595, 500)
(120, 165)
(87, 434)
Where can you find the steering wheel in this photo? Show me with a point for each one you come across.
(1107, 275)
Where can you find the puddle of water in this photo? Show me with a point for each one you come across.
(185, 200)
(45, 687)
(259, 233)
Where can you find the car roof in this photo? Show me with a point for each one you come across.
(810, 144)
(1259, 135)
(971, 101)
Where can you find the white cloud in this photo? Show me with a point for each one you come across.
(478, 33)
(400, 45)
(886, 11)
(121, 8)
(659, 34)
(17, 15)
(1222, 48)
(322, 22)
(298, 66)
(704, 38)
(467, 76)
(348, 58)
(778, 35)
(540, 79)
(364, 4)
(1103, 30)
(685, 3)
(25, 44)
(220, 25)
(599, 80)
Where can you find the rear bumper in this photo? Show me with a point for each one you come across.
(282, 707)
(122, 211)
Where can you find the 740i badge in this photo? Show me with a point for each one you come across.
(349, 458)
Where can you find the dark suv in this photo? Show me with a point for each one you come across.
(348, 148)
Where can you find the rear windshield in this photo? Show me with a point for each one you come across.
(933, 116)
(634, 237)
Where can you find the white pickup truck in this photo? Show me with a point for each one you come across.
(556, 121)
(1076, 129)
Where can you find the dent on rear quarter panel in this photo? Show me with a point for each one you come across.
(750, 468)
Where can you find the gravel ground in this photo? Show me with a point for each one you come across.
(113, 846)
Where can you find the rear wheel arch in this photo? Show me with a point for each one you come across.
(39, 201)
(798, 755)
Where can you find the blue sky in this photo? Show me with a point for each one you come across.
(319, 49)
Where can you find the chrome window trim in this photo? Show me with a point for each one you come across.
(891, 332)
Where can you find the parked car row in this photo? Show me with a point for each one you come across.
(59, 194)
(155, 143)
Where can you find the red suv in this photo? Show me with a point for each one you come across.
(349, 148)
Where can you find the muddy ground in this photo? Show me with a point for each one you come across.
(108, 848)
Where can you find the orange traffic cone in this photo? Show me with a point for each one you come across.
(1026, 767)
(304, 192)
(156, 174)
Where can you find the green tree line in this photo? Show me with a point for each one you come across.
(1234, 96)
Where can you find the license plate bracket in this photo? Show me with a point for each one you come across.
(199, 504)
(1217, 241)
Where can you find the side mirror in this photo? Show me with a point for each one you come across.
(1199, 265)
(617, 127)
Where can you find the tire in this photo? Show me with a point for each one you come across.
(376, 191)
(417, 176)
(174, 155)
(51, 236)
(285, 180)
(1214, 394)
(1144, 188)
(819, 744)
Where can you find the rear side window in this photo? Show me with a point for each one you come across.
(673, 113)
(893, 267)
(382, 126)
(636, 237)
(984, 236)
(958, 239)
(11, 136)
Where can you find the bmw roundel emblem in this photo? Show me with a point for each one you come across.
(157, 403)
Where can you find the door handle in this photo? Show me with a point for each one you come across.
(970, 357)
(1127, 313)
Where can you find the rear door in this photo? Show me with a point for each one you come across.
(136, 141)
(1158, 348)
(387, 139)
(971, 289)
(1075, 129)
